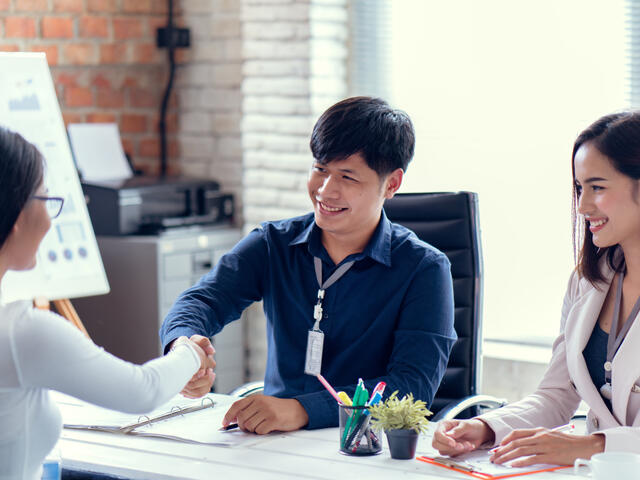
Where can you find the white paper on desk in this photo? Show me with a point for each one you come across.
(200, 427)
(479, 460)
(195, 427)
(98, 151)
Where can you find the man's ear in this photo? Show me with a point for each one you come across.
(393, 182)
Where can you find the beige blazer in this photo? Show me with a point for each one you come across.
(567, 380)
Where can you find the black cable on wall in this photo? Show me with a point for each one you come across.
(171, 47)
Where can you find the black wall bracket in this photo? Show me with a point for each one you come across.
(179, 37)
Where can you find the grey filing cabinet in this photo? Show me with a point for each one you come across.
(146, 274)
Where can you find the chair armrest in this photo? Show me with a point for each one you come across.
(248, 389)
(454, 409)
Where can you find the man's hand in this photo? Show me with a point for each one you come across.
(200, 383)
(264, 414)
(540, 445)
(454, 437)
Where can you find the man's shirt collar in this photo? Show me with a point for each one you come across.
(378, 248)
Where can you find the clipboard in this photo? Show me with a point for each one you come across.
(468, 468)
(132, 428)
(195, 421)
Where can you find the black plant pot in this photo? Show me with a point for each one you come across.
(402, 443)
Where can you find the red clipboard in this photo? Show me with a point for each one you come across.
(487, 476)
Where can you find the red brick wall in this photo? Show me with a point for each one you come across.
(104, 63)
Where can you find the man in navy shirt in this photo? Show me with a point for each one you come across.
(388, 316)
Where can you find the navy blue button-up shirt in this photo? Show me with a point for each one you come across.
(389, 318)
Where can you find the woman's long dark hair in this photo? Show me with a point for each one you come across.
(21, 172)
(616, 136)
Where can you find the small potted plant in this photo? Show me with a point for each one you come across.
(402, 420)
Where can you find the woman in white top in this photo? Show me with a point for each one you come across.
(596, 356)
(40, 350)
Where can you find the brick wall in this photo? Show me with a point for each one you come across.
(260, 73)
(295, 55)
(209, 95)
(294, 68)
(104, 63)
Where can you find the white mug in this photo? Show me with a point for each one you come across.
(611, 465)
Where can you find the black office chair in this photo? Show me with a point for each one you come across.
(449, 222)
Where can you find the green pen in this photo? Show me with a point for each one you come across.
(357, 415)
(356, 396)
(359, 398)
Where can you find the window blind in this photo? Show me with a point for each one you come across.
(370, 48)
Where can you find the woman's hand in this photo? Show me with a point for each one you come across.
(454, 437)
(540, 445)
(200, 383)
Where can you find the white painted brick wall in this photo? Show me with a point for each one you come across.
(209, 93)
(294, 67)
(276, 68)
(258, 75)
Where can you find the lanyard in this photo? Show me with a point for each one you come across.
(615, 339)
(335, 276)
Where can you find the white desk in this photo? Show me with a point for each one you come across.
(302, 454)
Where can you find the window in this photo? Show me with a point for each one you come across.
(498, 90)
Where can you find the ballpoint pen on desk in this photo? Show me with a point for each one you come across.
(569, 427)
(226, 428)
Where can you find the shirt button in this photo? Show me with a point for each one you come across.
(607, 366)
(595, 422)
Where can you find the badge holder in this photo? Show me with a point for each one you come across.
(315, 341)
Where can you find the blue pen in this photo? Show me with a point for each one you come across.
(374, 400)
(379, 388)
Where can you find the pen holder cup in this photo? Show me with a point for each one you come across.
(357, 436)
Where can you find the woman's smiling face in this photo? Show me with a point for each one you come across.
(607, 199)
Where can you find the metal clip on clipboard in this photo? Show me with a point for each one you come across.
(474, 471)
(175, 411)
(448, 462)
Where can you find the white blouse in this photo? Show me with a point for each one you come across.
(40, 350)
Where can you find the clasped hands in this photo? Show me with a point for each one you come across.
(525, 447)
(260, 414)
(200, 383)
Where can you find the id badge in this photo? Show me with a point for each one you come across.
(313, 361)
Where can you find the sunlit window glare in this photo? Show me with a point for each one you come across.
(498, 91)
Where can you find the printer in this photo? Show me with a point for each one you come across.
(149, 205)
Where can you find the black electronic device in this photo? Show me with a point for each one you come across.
(148, 205)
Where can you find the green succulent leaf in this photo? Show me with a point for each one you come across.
(400, 414)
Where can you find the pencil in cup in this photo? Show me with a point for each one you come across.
(357, 437)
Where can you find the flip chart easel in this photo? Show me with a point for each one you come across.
(68, 260)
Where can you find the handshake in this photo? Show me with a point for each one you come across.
(200, 384)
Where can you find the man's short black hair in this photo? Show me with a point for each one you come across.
(366, 125)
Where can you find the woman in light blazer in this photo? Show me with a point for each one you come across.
(596, 357)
